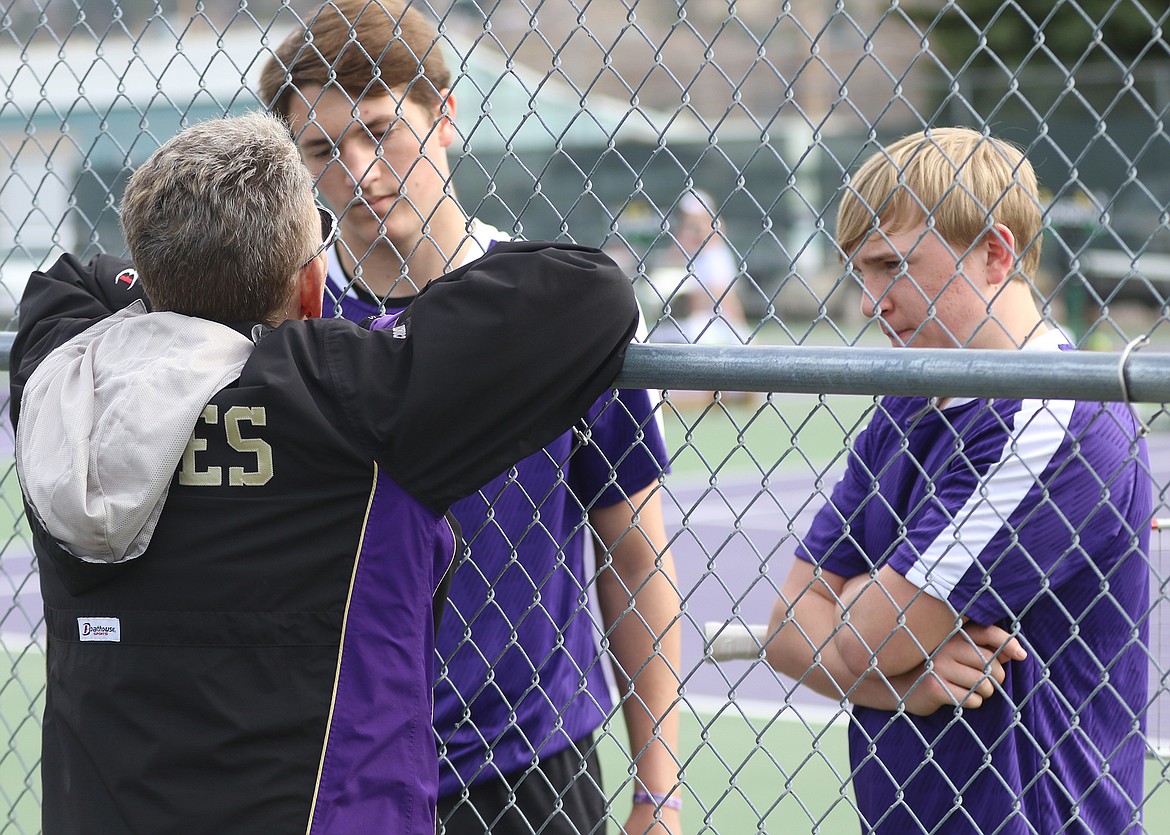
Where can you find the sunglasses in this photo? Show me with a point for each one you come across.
(328, 233)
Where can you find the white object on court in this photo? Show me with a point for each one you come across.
(732, 641)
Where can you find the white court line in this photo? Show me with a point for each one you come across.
(810, 715)
(818, 717)
(15, 642)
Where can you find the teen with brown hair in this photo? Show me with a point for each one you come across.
(520, 689)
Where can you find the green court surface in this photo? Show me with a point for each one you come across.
(757, 770)
(780, 775)
(769, 771)
(754, 433)
(22, 681)
(743, 772)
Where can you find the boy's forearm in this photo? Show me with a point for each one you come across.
(805, 621)
(639, 603)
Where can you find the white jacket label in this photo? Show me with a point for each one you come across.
(99, 629)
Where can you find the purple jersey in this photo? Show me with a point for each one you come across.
(1033, 515)
(518, 670)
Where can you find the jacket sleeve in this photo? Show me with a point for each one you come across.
(501, 357)
(60, 303)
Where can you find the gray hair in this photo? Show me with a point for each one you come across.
(219, 220)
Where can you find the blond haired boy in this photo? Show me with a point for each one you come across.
(985, 554)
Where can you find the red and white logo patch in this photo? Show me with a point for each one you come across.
(127, 278)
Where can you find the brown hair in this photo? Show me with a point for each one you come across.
(955, 178)
(365, 47)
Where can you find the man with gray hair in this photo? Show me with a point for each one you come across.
(239, 508)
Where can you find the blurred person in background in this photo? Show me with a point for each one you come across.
(712, 311)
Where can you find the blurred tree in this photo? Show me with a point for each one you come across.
(1064, 33)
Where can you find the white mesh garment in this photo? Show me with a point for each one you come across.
(104, 421)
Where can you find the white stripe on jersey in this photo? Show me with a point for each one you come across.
(1039, 430)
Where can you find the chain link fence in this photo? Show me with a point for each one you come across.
(705, 147)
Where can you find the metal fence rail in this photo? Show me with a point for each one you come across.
(1133, 377)
(923, 372)
(706, 148)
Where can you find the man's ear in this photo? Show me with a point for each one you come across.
(1001, 254)
(311, 287)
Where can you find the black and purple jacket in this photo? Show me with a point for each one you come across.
(265, 664)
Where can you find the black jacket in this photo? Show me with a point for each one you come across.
(272, 661)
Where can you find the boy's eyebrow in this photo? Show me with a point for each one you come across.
(312, 136)
(883, 253)
(375, 128)
(320, 139)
